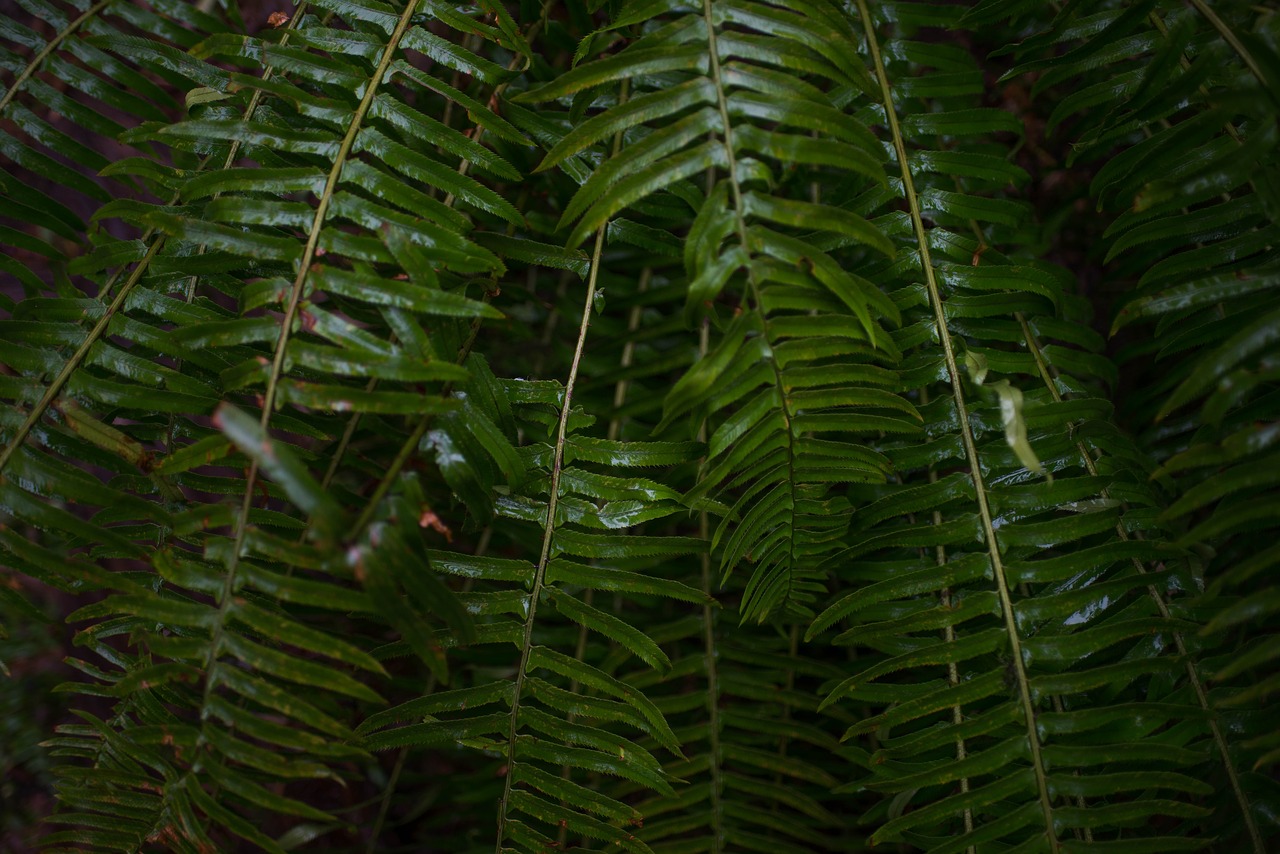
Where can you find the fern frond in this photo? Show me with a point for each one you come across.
(534, 735)
(664, 422)
(1034, 576)
(66, 94)
(720, 118)
(232, 644)
(1196, 171)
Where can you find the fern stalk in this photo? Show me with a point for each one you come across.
(966, 429)
(949, 635)
(321, 212)
(295, 294)
(77, 358)
(1229, 36)
(1193, 676)
(740, 218)
(48, 50)
(544, 557)
(224, 600)
(615, 428)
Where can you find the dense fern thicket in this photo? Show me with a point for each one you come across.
(652, 426)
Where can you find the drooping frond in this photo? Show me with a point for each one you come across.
(782, 436)
(302, 285)
(1185, 163)
(996, 576)
(557, 710)
(787, 394)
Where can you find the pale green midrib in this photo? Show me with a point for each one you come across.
(557, 462)
(553, 502)
(242, 522)
(1229, 36)
(1219, 739)
(620, 389)
(966, 430)
(77, 358)
(45, 52)
(739, 206)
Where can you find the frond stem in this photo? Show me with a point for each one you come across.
(949, 635)
(277, 365)
(45, 52)
(553, 501)
(739, 205)
(1202, 697)
(966, 429)
(710, 655)
(615, 428)
(1229, 36)
(623, 385)
(557, 462)
(77, 358)
(322, 209)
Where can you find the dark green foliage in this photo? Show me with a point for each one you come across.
(663, 427)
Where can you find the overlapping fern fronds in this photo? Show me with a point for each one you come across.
(1001, 577)
(1192, 198)
(301, 284)
(68, 97)
(753, 251)
(662, 426)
